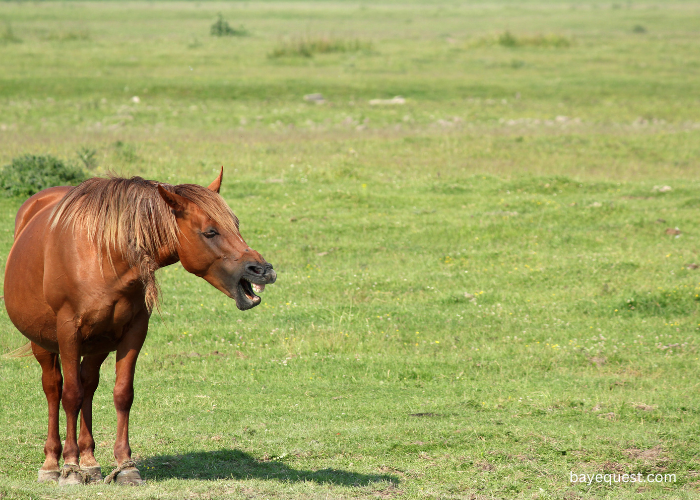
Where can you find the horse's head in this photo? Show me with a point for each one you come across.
(211, 247)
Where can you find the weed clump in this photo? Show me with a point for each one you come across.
(222, 28)
(88, 157)
(69, 36)
(509, 40)
(29, 174)
(307, 47)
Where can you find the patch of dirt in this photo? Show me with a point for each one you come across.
(652, 454)
(695, 485)
(387, 493)
(484, 466)
(642, 406)
(615, 467)
(571, 495)
(608, 416)
(424, 415)
(598, 361)
(391, 470)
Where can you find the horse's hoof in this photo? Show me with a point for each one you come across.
(49, 476)
(94, 473)
(72, 474)
(129, 476)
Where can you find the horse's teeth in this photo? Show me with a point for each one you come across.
(258, 288)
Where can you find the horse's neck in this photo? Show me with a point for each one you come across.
(166, 257)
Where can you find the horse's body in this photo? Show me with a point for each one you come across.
(79, 283)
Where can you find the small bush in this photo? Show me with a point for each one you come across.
(638, 28)
(307, 47)
(222, 28)
(30, 174)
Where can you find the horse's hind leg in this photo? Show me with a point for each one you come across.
(52, 383)
(72, 397)
(90, 377)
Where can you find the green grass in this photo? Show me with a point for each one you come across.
(477, 291)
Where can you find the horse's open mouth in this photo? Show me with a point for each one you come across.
(246, 291)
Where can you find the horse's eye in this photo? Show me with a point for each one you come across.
(210, 234)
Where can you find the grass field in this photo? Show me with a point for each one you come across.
(481, 291)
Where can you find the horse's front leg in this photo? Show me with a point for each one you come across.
(52, 383)
(90, 377)
(69, 342)
(127, 354)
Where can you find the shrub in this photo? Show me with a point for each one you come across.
(30, 174)
(506, 39)
(222, 28)
(307, 47)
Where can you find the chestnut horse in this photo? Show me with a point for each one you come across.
(80, 283)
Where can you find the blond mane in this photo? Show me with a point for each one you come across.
(130, 218)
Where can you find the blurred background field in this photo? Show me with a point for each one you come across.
(485, 284)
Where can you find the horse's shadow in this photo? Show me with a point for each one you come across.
(236, 464)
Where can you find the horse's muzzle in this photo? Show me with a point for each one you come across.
(261, 273)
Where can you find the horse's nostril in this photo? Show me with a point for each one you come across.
(253, 268)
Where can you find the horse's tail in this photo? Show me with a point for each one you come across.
(22, 352)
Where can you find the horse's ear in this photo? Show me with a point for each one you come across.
(216, 185)
(175, 201)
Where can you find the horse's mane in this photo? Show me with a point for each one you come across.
(130, 218)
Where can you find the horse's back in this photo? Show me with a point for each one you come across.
(45, 199)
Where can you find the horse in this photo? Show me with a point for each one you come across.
(80, 283)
